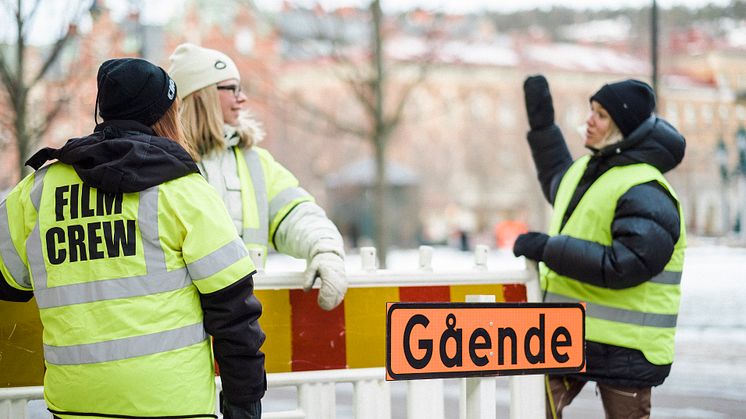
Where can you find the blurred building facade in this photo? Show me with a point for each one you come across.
(463, 129)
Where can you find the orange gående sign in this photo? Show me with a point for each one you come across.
(441, 340)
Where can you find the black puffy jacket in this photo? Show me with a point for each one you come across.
(644, 231)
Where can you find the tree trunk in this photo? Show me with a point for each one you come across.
(379, 136)
(19, 103)
(22, 137)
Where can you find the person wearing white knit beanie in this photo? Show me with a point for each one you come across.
(279, 212)
(195, 67)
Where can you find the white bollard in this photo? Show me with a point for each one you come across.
(13, 409)
(368, 259)
(478, 395)
(527, 394)
(318, 400)
(372, 400)
(426, 258)
(480, 257)
(425, 399)
(533, 287)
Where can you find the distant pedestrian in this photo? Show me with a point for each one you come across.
(263, 198)
(616, 241)
(133, 261)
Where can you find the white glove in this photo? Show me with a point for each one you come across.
(330, 268)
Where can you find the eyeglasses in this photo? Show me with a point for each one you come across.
(235, 88)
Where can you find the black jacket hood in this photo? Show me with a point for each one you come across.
(121, 156)
(655, 142)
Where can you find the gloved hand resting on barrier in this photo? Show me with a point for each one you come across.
(329, 267)
(307, 233)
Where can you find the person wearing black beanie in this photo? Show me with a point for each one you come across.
(628, 102)
(616, 240)
(133, 89)
(141, 280)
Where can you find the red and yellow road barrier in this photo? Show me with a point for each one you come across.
(303, 337)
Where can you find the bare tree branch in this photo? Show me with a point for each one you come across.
(28, 128)
(6, 77)
(317, 112)
(401, 103)
(38, 132)
(30, 16)
(59, 45)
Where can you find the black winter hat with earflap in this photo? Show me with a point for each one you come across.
(629, 103)
(133, 89)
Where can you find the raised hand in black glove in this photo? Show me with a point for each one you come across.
(538, 102)
(531, 245)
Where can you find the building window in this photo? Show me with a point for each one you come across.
(707, 114)
(690, 115)
(480, 106)
(672, 114)
(507, 116)
(724, 112)
(740, 113)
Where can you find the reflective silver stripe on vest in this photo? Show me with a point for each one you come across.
(255, 236)
(619, 315)
(117, 349)
(667, 278)
(8, 252)
(111, 289)
(283, 198)
(38, 187)
(34, 244)
(258, 235)
(147, 220)
(217, 260)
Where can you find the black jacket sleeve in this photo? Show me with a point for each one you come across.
(644, 231)
(551, 158)
(8, 293)
(231, 317)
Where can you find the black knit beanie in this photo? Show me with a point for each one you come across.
(133, 89)
(629, 103)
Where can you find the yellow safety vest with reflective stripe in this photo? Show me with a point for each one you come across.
(641, 317)
(268, 193)
(117, 279)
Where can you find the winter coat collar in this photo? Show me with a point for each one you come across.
(121, 156)
(655, 142)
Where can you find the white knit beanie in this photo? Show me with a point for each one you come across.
(194, 67)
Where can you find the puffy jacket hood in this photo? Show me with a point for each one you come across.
(121, 156)
(655, 142)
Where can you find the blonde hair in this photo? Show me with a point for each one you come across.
(203, 122)
(169, 126)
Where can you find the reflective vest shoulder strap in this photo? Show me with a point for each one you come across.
(253, 195)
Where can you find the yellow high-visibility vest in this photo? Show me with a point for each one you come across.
(642, 317)
(117, 278)
(268, 193)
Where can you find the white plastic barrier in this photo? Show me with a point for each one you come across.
(371, 396)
